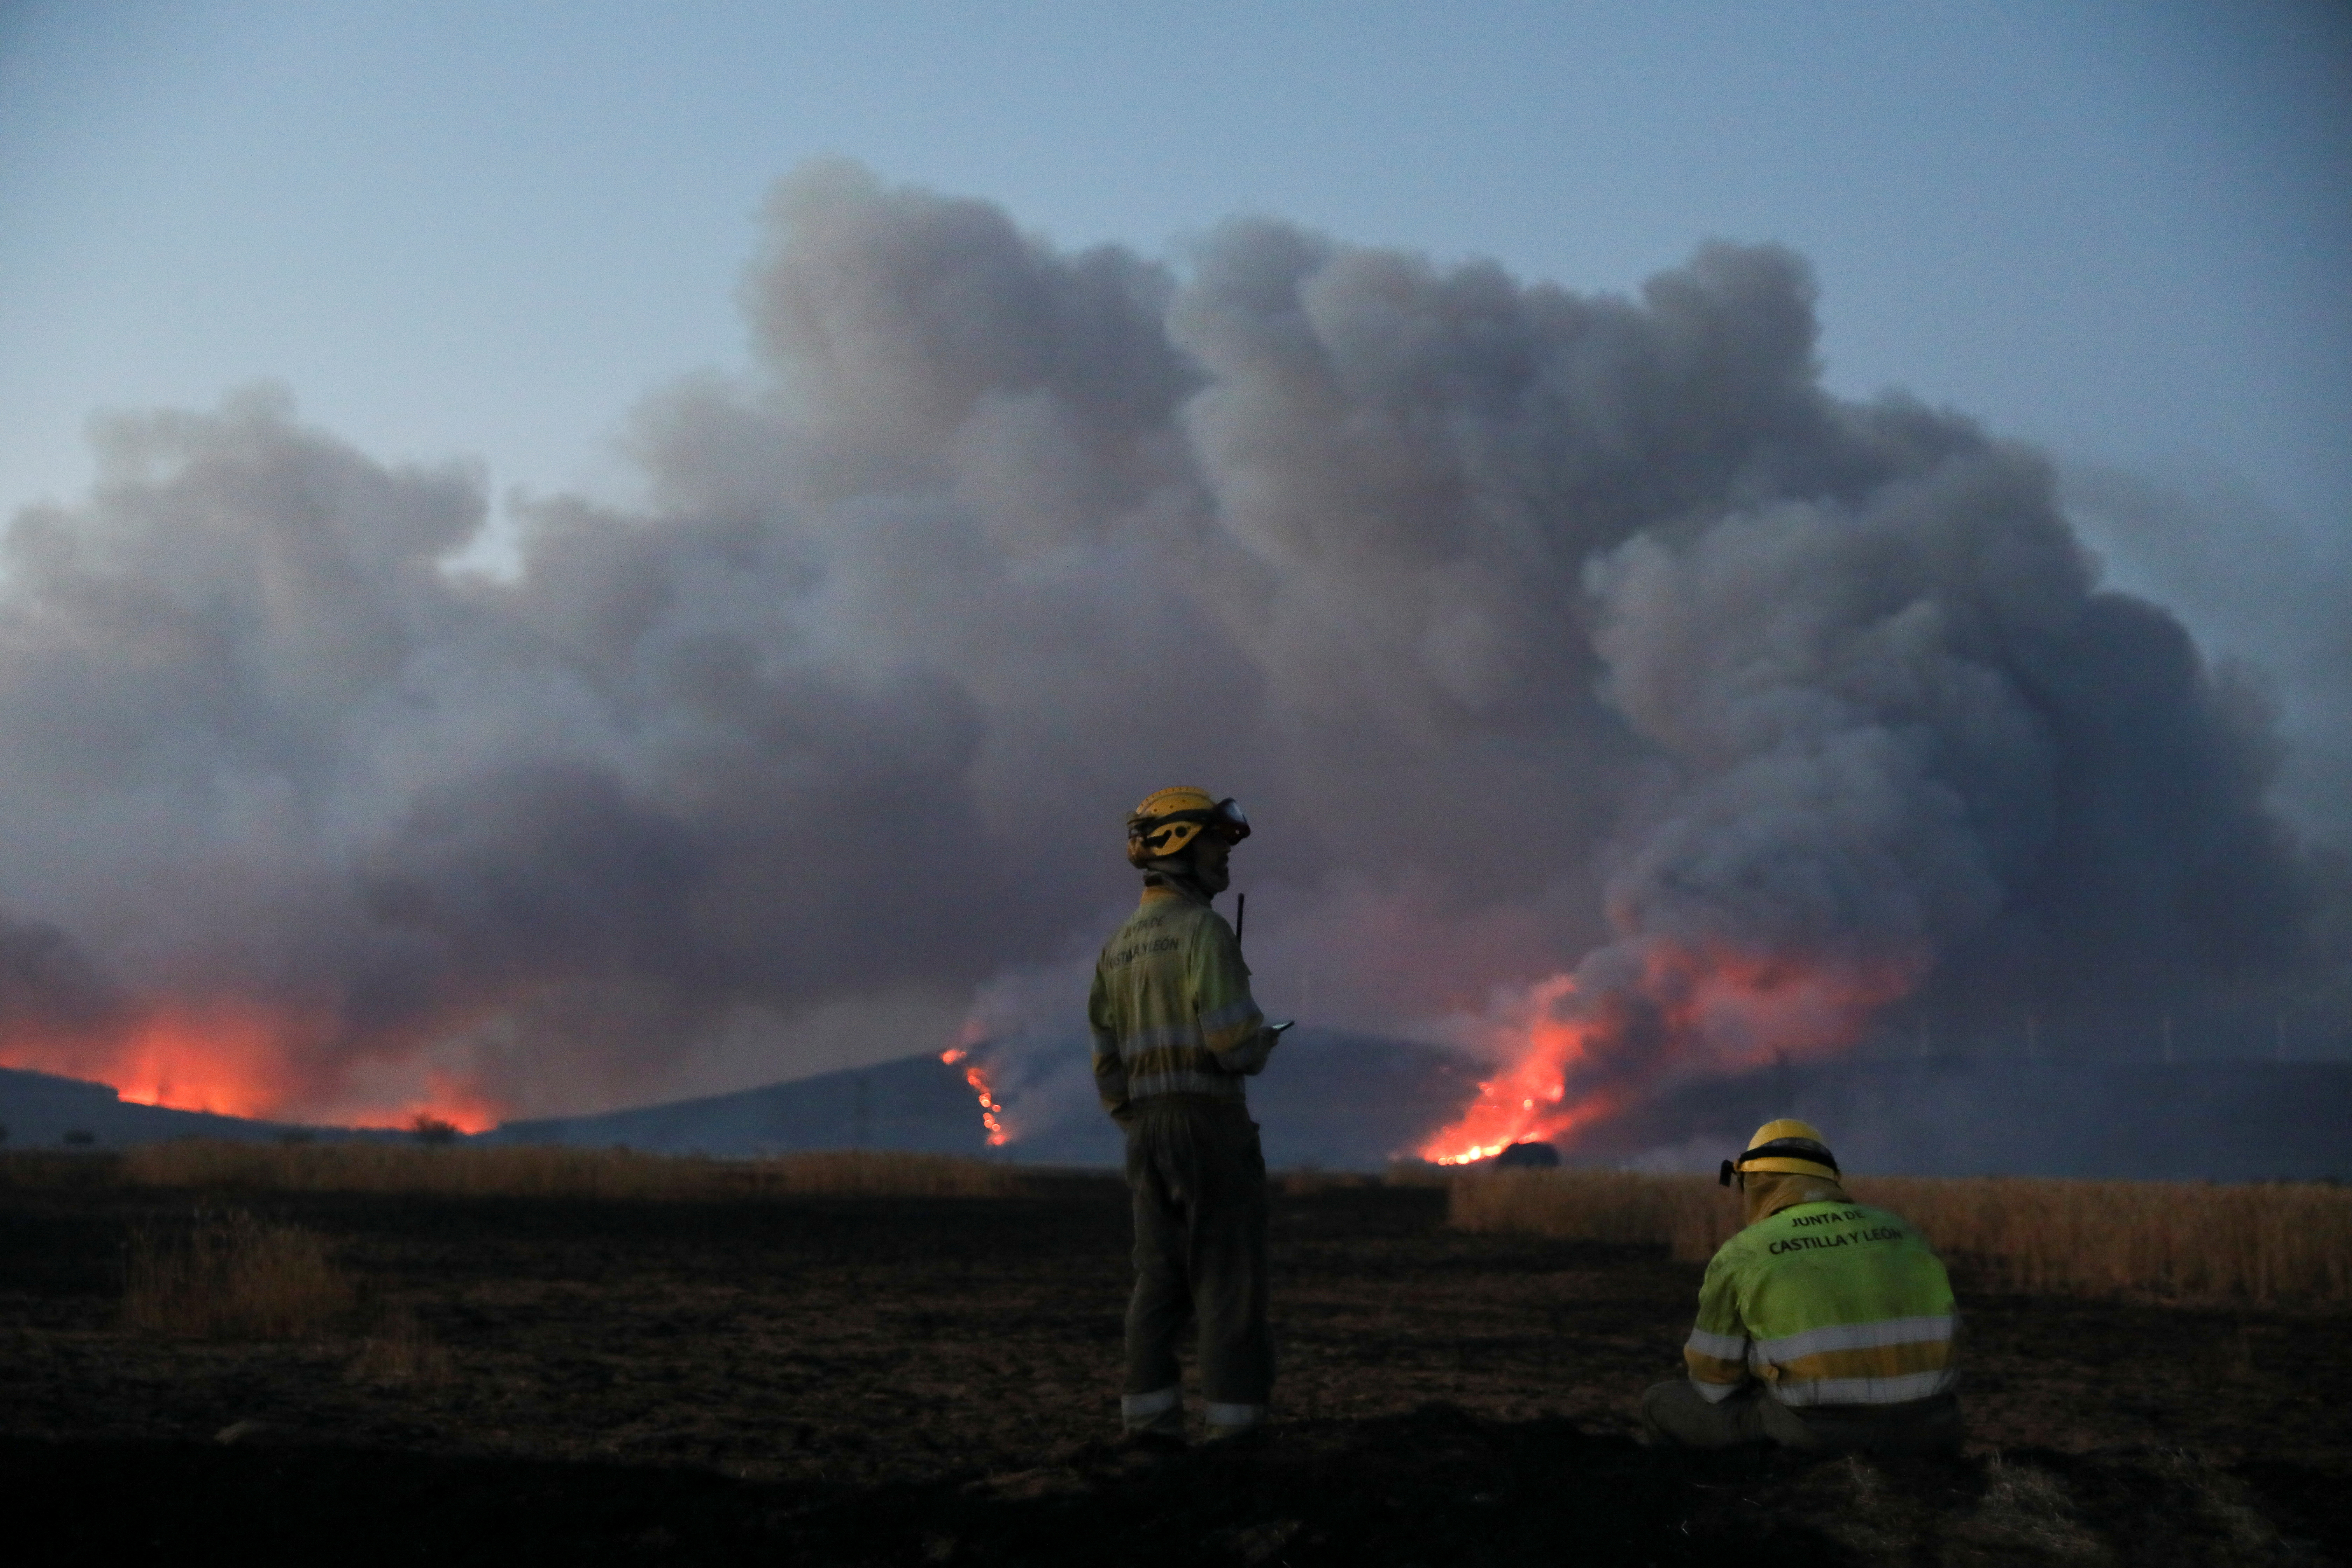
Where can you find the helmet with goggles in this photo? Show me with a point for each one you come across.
(1787, 1147)
(1169, 820)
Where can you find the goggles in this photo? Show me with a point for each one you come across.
(1778, 1149)
(1224, 819)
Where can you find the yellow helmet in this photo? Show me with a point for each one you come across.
(1787, 1145)
(1169, 819)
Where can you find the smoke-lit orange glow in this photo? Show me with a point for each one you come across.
(1724, 1009)
(991, 1112)
(234, 1058)
(1527, 1100)
(447, 1098)
(219, 1055)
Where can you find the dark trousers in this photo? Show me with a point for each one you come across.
(1674, 1413)
(1198, 1181)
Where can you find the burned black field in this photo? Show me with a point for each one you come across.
(901, 1380)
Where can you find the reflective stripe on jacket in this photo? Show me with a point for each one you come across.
(1170, 1012)
(1826, 1303)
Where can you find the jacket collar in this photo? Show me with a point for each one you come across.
(1768, 1193)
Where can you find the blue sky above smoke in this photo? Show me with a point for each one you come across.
(488, 231)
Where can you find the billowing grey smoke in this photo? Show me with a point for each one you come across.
(1526, 623)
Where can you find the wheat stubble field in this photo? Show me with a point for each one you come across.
(858, 1362)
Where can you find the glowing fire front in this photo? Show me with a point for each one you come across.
(992, 1111)
(219, 1057)
(1574, 1058)
(234, 1058)
(448, 1101)
(1527, 1100)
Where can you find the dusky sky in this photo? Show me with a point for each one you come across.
(488, 231)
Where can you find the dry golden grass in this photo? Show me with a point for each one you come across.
(231, 1276)
(2283, 1241)
(549, 1171)
(2271, 1242)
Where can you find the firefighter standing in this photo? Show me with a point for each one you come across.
(1175, 1031)
(1824, 1325)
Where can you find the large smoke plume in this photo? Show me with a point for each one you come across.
(1545, 635)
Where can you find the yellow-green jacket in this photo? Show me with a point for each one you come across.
(1826, 1303)
(1170, 1012)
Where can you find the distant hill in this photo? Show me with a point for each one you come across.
(1337, 1101)
(1332, 1100)
(914, 1103)
(1342, 1102)
(44, 1110)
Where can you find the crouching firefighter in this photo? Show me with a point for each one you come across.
(1824, 1325)
(1175, 1032)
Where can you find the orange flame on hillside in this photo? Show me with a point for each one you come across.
(991, 1112)
(1723, 1008)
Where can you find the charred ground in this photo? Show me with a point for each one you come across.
(910, 1381)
